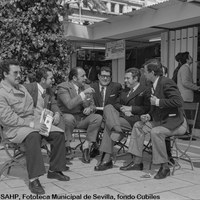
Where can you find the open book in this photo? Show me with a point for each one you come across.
(47, 119)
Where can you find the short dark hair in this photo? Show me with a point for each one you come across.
(5, 66)
(105, 68)
(155, 66)
(184, 57)
(135, 72)
(42, 73)
(73, 72)
(178, 57)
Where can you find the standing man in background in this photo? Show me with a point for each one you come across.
(185, 79)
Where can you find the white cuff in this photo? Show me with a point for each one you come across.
(157, 102)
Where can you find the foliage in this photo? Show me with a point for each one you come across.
(31, 32)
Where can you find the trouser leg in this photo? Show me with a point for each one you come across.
(138, 133)
(92, 123)
(70, 124)
(34, 159)
(106, 143)
(57, 158)
(158, 135)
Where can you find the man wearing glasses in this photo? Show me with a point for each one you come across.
(106, 92)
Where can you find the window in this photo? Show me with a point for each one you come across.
(121, 7)
(112, 7)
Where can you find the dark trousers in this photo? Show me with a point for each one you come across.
(34, 159)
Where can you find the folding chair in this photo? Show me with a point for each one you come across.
(182, 154)
(16, 153)
(77, 132)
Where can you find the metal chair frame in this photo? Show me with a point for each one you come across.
(16, 153)
(191, 121)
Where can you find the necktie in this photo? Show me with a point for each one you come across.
(43, 94)
(102, 96)
(130, 92)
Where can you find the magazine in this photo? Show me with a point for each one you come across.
(47, 119)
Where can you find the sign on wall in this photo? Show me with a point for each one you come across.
(115, 50)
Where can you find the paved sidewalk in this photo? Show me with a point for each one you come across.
(85, 183)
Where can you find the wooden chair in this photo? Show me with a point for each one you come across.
(191, 110)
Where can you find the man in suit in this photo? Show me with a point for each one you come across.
(167, 120)
(106, 92)
(122, 116)
(76, 103)
(41, 90)
(20, 125)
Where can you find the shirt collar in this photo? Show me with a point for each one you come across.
(40, 88)
(9, 87)
(76, 87)
(134, 88)
(100, 86)
(155, 83)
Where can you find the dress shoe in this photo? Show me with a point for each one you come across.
(162, 173)
(132, 166)
(36, 187)
(104, 166)
(94, 151)
(67, 168)
(86, 156)
(58, 175)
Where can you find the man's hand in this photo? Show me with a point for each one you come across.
(56, 118)
(41, 127)
(89, 90)
(128, 113)
(153, 100)
(126, 109)
(145, 118)
(87, 111)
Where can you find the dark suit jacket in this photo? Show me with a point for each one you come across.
(169, 114)
(112, 93)
(49, 101)
(139, 100)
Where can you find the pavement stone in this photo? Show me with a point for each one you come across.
(86, 183)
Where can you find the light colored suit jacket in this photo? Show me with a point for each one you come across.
(185, 83)
(16, 108)
(70, 102)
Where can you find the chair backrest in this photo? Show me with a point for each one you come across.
(191, 111)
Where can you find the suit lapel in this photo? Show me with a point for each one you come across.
(157, 89)
(108, 92)
(135, 93)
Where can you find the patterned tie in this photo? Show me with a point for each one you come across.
(102, 96)
(44, 94)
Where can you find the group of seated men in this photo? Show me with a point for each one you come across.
(154, 108)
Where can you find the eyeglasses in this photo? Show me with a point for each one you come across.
(105, 76)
